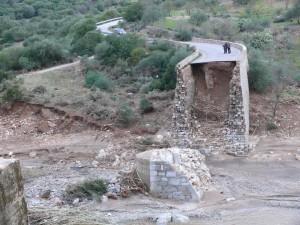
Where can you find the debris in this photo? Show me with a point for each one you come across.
(179, 218)
(76, 202)
(45, 194)
(32, 154)
(111, 195)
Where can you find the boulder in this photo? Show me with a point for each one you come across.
(13, 208)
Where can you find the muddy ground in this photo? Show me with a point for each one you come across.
(57, 150)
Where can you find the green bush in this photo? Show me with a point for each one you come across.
(260, 77)
(137, 55)
(151, 14)
(125, 116)
(87, 44)
(3, 76)
(183, 35)
(44, 53)
(199, 17)
(134, 12)
(10, 91)
(253, 24)
(146, 106)
(271, 126)
(117, 47)
(155, 64)
(80, 28)
(86, 190)
(9, 58)
(15, 34)
(261, 40)
(98, 80)
(167, 80)
(242, 2)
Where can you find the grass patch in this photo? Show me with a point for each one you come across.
(167, 23)
(86, 190)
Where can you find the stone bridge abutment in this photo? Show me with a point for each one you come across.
(212, 102)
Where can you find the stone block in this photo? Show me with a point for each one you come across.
(13, 208)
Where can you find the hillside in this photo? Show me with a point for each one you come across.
(77, 106)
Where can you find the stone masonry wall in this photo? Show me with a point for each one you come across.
(237, 130)
(13, 209)
(169, 175)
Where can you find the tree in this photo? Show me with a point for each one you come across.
(151, 14)
(294, 13)
(86, 44)
(44, 53)
(198, 18)
(134, 12)
(80, 28)
(260, 76)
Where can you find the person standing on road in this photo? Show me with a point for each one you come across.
(225, 48)
(228, 47)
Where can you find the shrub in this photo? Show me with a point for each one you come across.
(167, 80)
(86, 44)
(259, 74)
(80, 28)
(271, 126)
(86, 190)
(261, 40)
(26, 63)
(253, 24)
(242, 2)
(98, 80)
(15, 34)
(3, 76)
(151, 14)
(11, 91)
(9, 58)
(136, 55)
(146, 106)
(44, 53)
(134, 12)
(155, 64)
(31, 40)
(125, 115)
(117, 47)
(198, 18)
(183, 35)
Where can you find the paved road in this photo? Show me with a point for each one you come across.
(105, 28)
(210, 52)
(214, 53)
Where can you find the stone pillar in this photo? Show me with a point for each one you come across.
(184, 95)
(13, 209)
(237, 132)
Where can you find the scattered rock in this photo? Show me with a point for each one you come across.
(297, 157)
(111, 195)
(95, 163)
(32, 154)
(104, 198)
(179, 218)
(164, 219)
(101, 154)
(58, 202)
(230, 199)
(45, 194)
(76, 201)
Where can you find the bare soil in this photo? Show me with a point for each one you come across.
(59, 145)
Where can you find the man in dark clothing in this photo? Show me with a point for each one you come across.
(225, 48)
(228, 48)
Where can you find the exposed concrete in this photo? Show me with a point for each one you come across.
(13, 209)
(176, 174)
